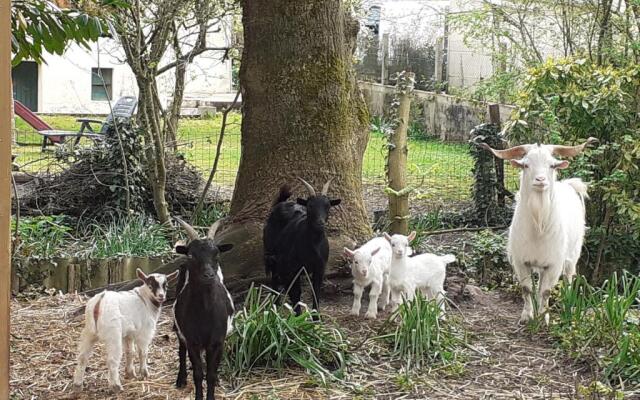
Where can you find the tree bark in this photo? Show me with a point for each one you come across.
(397, 161)
(303, 115)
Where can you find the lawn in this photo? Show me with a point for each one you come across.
(444, 169)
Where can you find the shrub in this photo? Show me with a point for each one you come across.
(422, 337)
(565, 101)
(487, 261)
(269, 336)
(602, 325)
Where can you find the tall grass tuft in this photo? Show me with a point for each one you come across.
(266, 335)
(602, 325)
(135, 236)
(421, 336)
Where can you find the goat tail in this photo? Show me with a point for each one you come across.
(579, 186)
(283, 194)
(448, 258)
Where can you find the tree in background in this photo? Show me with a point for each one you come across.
(159, 36)
(303, 116)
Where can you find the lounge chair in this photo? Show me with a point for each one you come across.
(124, 108)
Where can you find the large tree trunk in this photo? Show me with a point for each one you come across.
(303, 115)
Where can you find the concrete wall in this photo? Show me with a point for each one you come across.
(64, 82)
(447, 117)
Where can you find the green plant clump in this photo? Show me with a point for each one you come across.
(268, 336)
(138, 236)
(487, 261)
(41, 237)
(422, 337)
(602, 325)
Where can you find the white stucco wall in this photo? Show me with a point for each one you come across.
(64, 82)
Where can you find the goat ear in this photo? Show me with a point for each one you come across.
(348, 253)
(180, 249)
(173, 275)
(387, 236)
(302, 202)
(517, 164)
(411, 236)
(335, 202)
(561, 165)
(373, 253)
(225, 247)
(141, 275)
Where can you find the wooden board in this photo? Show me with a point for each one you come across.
(5, 192)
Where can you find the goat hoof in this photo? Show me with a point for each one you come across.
(355, 312)
(144, 373)
(524, 319)
(129, 374)
(116, 388)
(181, 382)
(76, 388)
(370, 315)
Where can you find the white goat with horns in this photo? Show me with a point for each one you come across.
(548, 224)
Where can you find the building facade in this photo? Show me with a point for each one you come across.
(82, 81)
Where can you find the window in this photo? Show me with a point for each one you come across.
(101, 84)
(373, 19)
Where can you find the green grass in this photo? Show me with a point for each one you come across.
(268, 336)
(443, 170)
(601, 325)
(422, 338)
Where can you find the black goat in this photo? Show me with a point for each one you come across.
(203, 310)
(294, 237)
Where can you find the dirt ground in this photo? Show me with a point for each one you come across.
(504, 361)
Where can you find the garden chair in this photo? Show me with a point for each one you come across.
(124, 108)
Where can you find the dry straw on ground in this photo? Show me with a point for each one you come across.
(503, 362)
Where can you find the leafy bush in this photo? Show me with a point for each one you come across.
(424, 223)
(500, 87)
(565, 101)
(381, 126)
(269, 336)
(41, 237)
(487, 261)
(135, 236)
(422, 337)
(602, 325)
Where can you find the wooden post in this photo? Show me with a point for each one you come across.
(494, 118)
(397, 170)
(438, 64)
(5, 192)
(385, 58)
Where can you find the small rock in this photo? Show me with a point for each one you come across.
(474, 294)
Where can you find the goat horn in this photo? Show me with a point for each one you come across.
(325, 188)
(214, 228)
(571, 151)
(507, 154)
(310, 188)
(191, 233)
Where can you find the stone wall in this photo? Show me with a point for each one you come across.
(447, 117)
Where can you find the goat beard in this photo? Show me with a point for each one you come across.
(539, 204)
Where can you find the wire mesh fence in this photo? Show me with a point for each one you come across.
(440, 171)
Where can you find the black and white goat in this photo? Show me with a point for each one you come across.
(203, 311)
(294, 238)
(120, 320)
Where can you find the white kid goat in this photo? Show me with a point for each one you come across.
(548, 225)
(118, 318)
(370, 266)
(425, 272)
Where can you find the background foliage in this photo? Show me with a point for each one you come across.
(568, 100)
